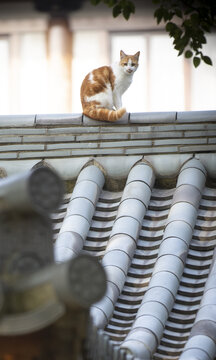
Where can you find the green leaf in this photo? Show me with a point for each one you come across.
(158, 14)
(178, 12)
(202, 39)
(188, 54)
(195, 19)
(128, 8)
(196, 61)
(207, 60)
(166, 14)
(111, 3)
(126, 12)
(117, 10)
(181, 43)
(131, 7)
(180, 52)
(187, 23)
(205, 26)
(170, 26)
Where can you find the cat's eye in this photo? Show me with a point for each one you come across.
(133, 64)
(125, 64)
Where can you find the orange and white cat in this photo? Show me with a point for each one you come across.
(102, 89)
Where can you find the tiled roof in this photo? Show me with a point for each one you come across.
(156, 246)
(155, 242)
(32, 137)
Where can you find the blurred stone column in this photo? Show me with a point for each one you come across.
(59, 55)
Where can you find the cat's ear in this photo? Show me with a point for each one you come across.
(122, 54)
(137, 55)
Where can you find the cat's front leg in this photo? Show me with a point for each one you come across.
(117, 102)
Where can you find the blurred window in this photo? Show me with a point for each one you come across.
(203, 81)
(4, 75)
(23, 73)
(164, 81)
(33, 75)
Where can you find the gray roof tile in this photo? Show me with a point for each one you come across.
(196, 116)
(171, 246)
(169, 266)
(169, 263)
(178, 236)
(141, 192)
(89, 121)
(155, 244)
(122, 242)
(150, 117)
(150, 322)
(126, 225)
(184, 212)
(154, 308)
(142, 172)
(166, 279)
(81, 206)
(17, 121)
(195, 353)
(187, 193)
(102, 311)
(115, 275)
(77, 224)
(117, 258)
(202, 342)
(58, 119)
(160, 294)
(67, 245)
(87, 189)
(134, 207)
(92, 173)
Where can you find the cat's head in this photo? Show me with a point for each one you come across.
(129, 63)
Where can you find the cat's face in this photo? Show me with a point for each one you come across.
(129, 63)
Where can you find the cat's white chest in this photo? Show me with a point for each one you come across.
(122, 80)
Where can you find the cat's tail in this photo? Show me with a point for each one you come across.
(103, 114)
